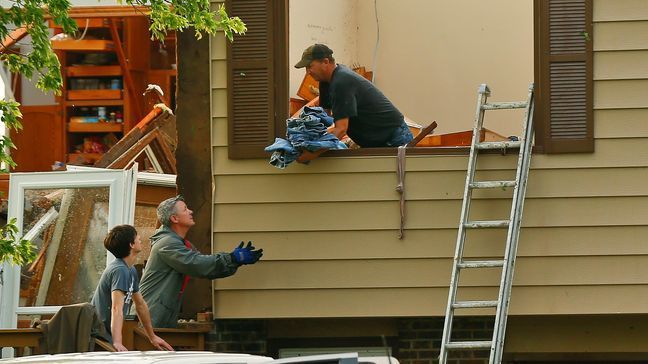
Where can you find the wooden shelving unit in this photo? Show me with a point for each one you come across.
(95, 127)
(103, 74)
(84, 45)
(92, 71)
(107, 67)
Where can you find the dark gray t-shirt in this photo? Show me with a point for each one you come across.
(373, 119)
(117, 276)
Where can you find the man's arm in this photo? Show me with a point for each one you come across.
(193, 263)
(145, 318)
(117, 319)
(339, 129)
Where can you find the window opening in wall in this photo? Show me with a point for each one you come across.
(435, 74)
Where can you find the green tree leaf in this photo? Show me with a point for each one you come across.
(42, 62)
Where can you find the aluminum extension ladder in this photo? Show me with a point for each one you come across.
(507, 264)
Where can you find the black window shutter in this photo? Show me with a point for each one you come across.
(563, 73)
(251, 80)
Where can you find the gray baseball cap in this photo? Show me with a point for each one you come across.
(315, 52)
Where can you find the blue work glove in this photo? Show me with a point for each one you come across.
(246, 254)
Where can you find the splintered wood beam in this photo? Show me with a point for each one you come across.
(130, 139)
(121, 56)
(426, 131)
(38, 267)
(53, 247)
(155, 140)
(14, 37)
(72, 245)
(164, 155)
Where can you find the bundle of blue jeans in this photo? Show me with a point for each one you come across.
(307, 132)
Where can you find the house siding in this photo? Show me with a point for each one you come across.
(329, 230)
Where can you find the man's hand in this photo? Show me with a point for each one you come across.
(307, 156)
(247, 254)
(119, 346)
(160, 344)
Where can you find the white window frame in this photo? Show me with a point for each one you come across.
(121, 210)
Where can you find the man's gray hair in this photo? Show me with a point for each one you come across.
(167, 208)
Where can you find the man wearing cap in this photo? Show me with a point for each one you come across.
(359, 109)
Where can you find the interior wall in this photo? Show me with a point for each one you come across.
(334, 24)
(433, 54)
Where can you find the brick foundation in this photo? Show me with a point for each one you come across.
(418, 342)
(419, 339)
(238, 336)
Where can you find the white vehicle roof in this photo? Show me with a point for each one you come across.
(193, 357)
(144, 357)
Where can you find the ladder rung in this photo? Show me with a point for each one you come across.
(504, 105)
(474, 304)
(499, 145)
(493, 184)
(487, 224)
(481, 264)
(463, 345)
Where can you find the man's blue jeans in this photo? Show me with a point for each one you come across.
(401, 136)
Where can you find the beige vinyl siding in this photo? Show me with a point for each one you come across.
(329, 230)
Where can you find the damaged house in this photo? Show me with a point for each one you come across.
(334, 275)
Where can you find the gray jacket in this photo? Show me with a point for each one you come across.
(169, 262)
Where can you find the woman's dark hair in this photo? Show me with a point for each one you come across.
(119, 239)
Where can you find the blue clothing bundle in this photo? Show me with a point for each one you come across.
(308, 131)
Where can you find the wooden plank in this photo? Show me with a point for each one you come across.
(14, 37)
(621, 94)
(552, 300)
(113, 102)
(180, 339)
(74, 95)
(128, 78)
(193, 154)
(620, 65)
(620, 10)
(93, 71)
(74, 127)
(153, 137)
(415, 272)
(544, 183)
(546, 212)
(617, 36)
(116, 11)
(71, 247)
(53, 248)
(155, 118)
(20, 338)
(86, 45)
(164, 155)
(440, 243)
(152, 195)
(621, 123)
(38, 268)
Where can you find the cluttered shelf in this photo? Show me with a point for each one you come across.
(106, 94)
(77, 127)
(89, 45)
(94, 102)
(93, 71)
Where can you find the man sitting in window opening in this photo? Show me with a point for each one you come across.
(119, 287)
(359, 109)
(173, 260)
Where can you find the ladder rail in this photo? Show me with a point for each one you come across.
(483, 94)
(517, 208)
